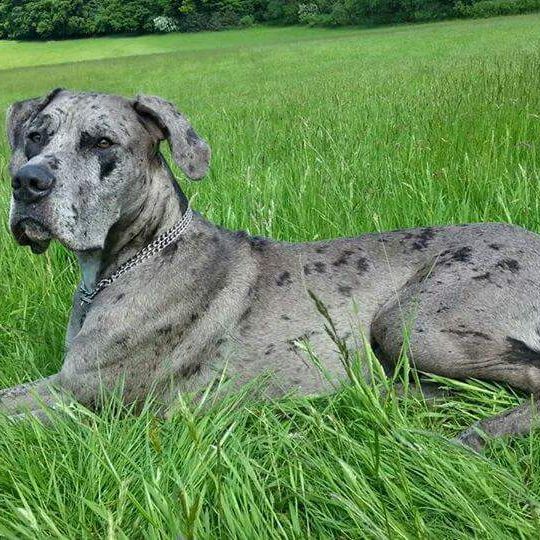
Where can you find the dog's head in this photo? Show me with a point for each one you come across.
(82, 161)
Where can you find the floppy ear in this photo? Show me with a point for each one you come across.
(22, 112)
(189, 151)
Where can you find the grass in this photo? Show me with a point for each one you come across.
(315, 134)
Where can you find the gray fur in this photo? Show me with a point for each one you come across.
(468, 294)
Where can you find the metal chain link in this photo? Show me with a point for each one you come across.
(162, 241)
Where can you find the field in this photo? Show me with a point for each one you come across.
(315, 134)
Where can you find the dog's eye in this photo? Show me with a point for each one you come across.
(104, 143)
(35, 136)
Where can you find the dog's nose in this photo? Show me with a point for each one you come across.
(32, 183)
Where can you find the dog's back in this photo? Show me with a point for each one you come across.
(457, 283)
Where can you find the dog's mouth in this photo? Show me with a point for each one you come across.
(29, 232)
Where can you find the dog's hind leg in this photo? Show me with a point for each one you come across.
(453, 358)
(444, 333)
(517, 421)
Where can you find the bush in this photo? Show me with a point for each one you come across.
(492, 8)
(222, 20)
(247, 21)
(57, 19)
(282, 12)
(44, 19)
(307, 13)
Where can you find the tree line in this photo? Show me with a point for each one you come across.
(57, 19)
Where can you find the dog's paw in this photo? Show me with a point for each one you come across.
(472, 438)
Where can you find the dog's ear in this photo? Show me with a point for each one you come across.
(162, 119)
(22, 112)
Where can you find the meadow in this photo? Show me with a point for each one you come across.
(315, 134)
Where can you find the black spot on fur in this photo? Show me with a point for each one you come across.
(194, 317)
(509, 264)
(520, 353)
(496, 247)
(345, 290)
(169, 251)
(362, 265)
(258, 243)
(240, 234)
(86, 141)
(283, 279)
(307, 270)
(107, 164)
(246, 314)
(122, 341)
(119, 297)
(191, 137)
(269, 349)
(463, 254)
(285, 317)
(186, 372)
(321, 249)
(343, 258)
(164, 330)
(320, 267)
(467, 333)
(423, 239)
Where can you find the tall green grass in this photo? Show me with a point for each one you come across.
(314, 135)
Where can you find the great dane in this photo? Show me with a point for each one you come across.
(168, 300)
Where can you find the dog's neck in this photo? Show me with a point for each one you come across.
(162, 205)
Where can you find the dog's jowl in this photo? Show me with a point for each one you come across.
(167, 300)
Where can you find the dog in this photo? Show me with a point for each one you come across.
(168, 300)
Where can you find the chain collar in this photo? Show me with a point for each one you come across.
(162, 241)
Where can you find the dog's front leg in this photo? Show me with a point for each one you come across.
(33, 397)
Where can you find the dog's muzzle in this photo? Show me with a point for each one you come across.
(31, 185)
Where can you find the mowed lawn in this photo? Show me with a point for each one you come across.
(315, 133)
